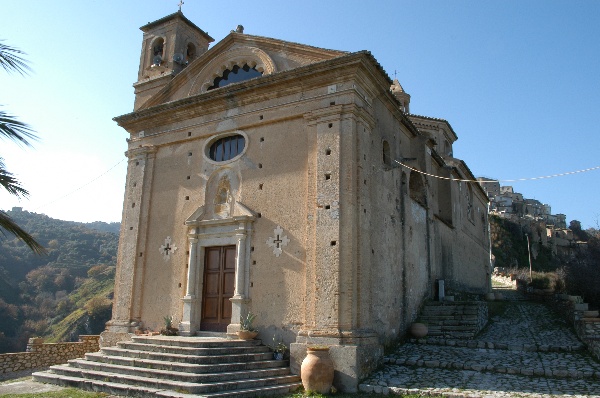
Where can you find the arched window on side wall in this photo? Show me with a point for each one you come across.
(470, 208)
(416, 188)
(387, 157)
(444, 196)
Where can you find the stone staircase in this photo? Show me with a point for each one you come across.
(180, 367)
(450, 320)
(527, 351)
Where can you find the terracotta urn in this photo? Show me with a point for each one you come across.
(246, 334)
(418, 330)
(316, 370)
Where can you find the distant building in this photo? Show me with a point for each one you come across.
(507, 203)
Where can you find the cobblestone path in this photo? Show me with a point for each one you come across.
(525, 351)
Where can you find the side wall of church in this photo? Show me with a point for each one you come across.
(393, 229)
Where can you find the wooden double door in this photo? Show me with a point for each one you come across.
(219, 287)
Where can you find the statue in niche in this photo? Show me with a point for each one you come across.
(223, 198)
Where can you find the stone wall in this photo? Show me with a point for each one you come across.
(588, 330)
(40, 354)
(586, 323)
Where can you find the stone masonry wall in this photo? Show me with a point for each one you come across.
(40, 354)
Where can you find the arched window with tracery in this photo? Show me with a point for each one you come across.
(235, 75)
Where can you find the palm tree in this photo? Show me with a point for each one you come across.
(14, 130)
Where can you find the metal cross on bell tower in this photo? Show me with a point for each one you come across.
(180, 4)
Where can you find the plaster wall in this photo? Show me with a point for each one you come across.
(361, 252)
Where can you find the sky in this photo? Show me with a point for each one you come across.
(517, 79)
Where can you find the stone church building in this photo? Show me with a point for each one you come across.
(292, 182)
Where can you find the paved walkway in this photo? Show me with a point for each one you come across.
(525, 351)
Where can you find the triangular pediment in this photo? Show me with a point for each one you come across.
(266, 55)
(203, 213)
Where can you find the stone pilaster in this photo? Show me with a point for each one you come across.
(332, 311)
(131, 255)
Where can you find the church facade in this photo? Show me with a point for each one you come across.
(292, 182)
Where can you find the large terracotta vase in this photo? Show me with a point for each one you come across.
(418, 330)
(317, 370)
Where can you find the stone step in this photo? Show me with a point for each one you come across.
(451, 308)
(204, 351)
(197, 342)
(95, 385)
(184, 386)
(451, 328)
(280, 389)
(498, 346)
(221, 335)
(195, 359)
(144, 391)
(404, 380)
(182, 366)
(220, 375)
(455, 335)
(442, 318)
(547, 364)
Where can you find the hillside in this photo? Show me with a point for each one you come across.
(59, 295)
(509, 246)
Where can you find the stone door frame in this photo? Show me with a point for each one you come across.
(236, 230)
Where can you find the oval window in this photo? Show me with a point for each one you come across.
(227, 148)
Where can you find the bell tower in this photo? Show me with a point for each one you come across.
(402, 96)
(168, 46)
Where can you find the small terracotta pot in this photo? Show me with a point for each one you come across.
(419, 330)
(246, 334)
(316, 370)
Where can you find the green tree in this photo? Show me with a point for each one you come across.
(14, 130)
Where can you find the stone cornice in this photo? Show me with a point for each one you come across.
(340, 111)
(229, 44)
(173, 16)
(320, 73)
(432, 123)
(143, 150)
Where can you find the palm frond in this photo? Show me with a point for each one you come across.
(13, 129)
(11, 60)
(10, 183)
(6, 223)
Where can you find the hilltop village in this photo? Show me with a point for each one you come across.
(549, 230)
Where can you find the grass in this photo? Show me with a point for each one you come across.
(305, 394)
(66, 393)
(495, 283)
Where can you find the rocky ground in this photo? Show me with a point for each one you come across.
(526, 350)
